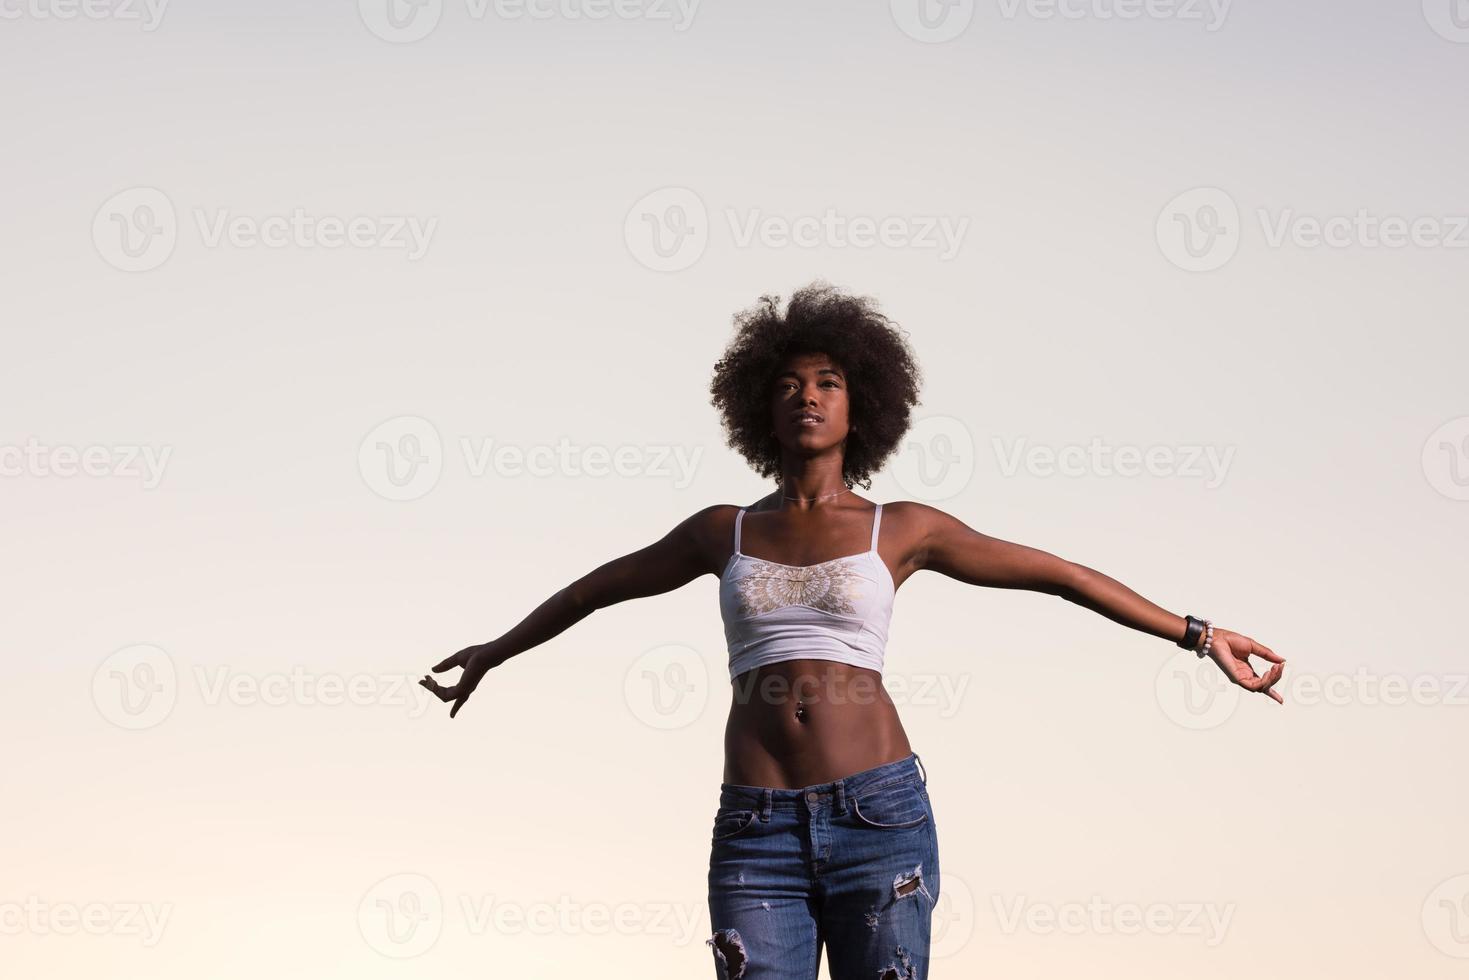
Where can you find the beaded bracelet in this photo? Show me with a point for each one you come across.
(1203, 651)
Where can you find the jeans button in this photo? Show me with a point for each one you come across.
(810, 797)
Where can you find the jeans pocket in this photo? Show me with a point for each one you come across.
(893, 806)
(729, 822)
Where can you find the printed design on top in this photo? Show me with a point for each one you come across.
(832, 587)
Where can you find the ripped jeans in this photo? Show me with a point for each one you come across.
(853, 864)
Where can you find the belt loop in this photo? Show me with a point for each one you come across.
(765, 796)
(921, 769)
(841, 804)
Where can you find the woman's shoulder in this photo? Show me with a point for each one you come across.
(913, 521)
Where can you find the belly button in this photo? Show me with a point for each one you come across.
(800, 710)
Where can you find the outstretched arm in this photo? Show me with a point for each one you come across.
(951, 547)
(674, 560)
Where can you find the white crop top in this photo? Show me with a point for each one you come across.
(833, 610)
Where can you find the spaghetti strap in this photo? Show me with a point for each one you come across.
(738, 518)
(876, 520)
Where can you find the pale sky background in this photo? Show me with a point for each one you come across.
(183, 777)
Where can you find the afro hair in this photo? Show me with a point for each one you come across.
(882, 375)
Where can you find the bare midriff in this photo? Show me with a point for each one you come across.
(800, 722)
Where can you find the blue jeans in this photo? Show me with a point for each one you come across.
(853, 864)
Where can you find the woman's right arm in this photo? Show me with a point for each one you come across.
(679, 557)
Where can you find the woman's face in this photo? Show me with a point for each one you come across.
(809, 403)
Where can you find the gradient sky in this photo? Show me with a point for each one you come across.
(492, 229)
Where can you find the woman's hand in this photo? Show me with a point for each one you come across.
(1231, 651)
(476, 661)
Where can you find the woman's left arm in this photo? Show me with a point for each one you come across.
(949, 546)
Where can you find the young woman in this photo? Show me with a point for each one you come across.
(825, 833)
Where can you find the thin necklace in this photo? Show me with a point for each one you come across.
(822, 497)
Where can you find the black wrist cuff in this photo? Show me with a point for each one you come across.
(1191, 632)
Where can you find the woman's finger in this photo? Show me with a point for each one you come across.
(1244, 674)
(459, 659)
(1264, 652)
(443, 693)
(453, 660)
(1263, 684)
